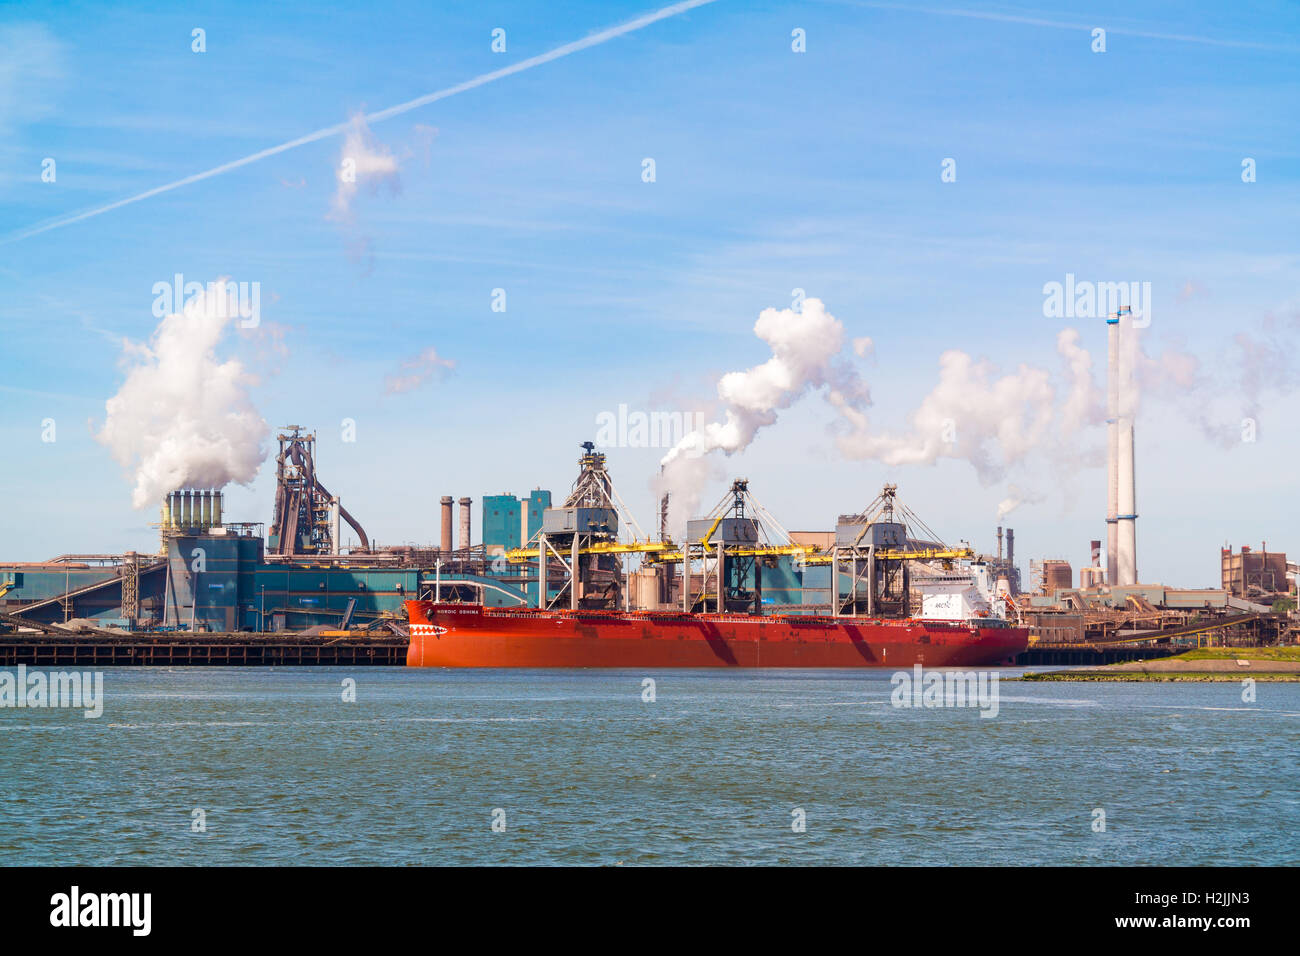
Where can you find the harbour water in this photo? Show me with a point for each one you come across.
(578, 767)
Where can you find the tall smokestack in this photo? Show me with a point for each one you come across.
(1011, 546)
(1112, 460)
(445, 544)
(464, 522)
(999, 542)
(1127, 514)
(216, 509)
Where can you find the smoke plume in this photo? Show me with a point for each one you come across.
(183, 417)
(1246, 379)
(805, 347)
(993, 421)
(1015, 498)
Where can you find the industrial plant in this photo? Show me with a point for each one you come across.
(216, 576)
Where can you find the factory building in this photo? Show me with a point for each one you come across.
(211, 574)
(501, 524)
(1056, 575)
(510, 522)
(1261, 575)
(216, 583)
(214, 575)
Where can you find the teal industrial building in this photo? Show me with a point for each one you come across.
(222, 579)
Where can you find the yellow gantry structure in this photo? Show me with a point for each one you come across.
(520, 555)
(897, 554)
(673, 556)
(665, 552)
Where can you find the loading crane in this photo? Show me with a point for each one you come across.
(728, 542)
(876, 548)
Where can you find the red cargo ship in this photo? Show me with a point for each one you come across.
(471, 635)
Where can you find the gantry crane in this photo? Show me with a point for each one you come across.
(876, 548)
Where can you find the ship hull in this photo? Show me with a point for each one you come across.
(468, 635)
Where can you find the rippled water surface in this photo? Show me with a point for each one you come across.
(587, 772)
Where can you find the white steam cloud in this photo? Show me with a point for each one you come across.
(975, 413)
(183, 417)
(996, 420)
(362, 162)
(805, 346)
(1248, 378)
(991, 420)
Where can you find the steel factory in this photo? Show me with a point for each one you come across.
(214, 575)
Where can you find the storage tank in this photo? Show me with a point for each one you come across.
(646, 589)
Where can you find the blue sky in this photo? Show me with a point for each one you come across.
(775, 170)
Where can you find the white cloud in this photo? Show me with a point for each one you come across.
(414, 372)
(362, 162)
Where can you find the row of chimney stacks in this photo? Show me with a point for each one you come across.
(445, 544)
(189, 509)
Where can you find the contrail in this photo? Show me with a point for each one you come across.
(595, 39)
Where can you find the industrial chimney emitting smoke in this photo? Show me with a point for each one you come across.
(190, 511)
(1112, 453)
(1121, 494)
